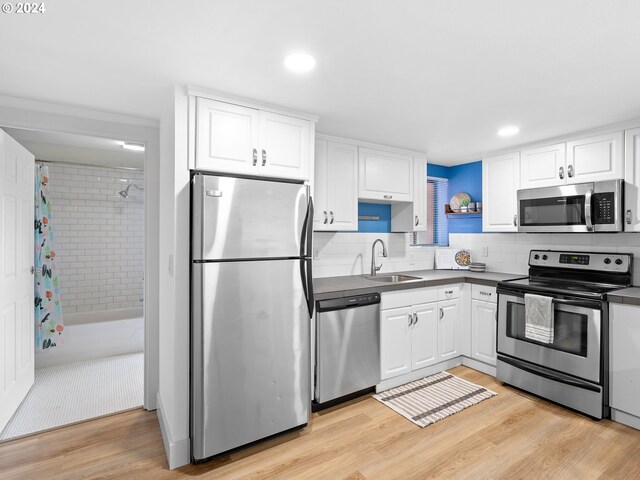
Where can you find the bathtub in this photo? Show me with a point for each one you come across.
(90, 335)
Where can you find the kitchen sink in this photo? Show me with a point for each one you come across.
(393, 278)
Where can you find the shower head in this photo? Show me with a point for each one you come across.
(125, 193)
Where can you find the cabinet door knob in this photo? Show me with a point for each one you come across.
(561, 172)
(326, 219)
(264, 157)
(628, 217)
(570, 171)
(255, 157)
(331, 213)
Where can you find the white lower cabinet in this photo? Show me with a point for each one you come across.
(483, 331)
(417, 336)
(624, 365)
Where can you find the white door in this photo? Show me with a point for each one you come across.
(596, 158)
(500, 180)
(385, 176)
(448, 329)
(284, 146)
(424, 335)
(395, 341)
(320, 181)
(419, 194)
(543, 166)
(16, 278)
(632, 179)
(342, 187)
(226, 138)
(483, 331)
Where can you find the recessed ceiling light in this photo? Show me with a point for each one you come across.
(299, 62)
(508, 131)
(135, 146)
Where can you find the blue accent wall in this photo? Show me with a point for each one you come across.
(374, 209)
(434, 170)
(466, 178)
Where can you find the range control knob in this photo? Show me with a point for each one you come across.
(536, 257)
(618, 261)
(607, 261)
(544, 257)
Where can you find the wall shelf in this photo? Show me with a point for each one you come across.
(451, 214)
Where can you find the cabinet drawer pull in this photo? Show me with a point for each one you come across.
(264, 157)
(448, 292)
(255, 157)
(388, 197)
(485, 293)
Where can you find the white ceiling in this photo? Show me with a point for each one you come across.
(439, 76)
(66, 147)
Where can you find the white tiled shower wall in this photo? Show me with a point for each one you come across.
(509, 252)
(99, 237)
(349, 253)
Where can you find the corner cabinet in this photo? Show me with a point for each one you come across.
(500, 183)
(237, 139)
(385, 176)
(632, 179)
(412, 217)
(336, 186)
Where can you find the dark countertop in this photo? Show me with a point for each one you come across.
(629, 296)
(336, 287)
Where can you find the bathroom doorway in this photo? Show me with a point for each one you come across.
(89, 358)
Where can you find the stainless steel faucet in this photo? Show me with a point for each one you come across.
(375, 268)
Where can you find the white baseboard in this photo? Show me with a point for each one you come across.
(481, 367)
(417, 374)
(625, 418)
(178, 452)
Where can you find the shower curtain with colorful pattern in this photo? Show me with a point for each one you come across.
(48, 313)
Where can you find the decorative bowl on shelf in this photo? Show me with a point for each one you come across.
(457, 201)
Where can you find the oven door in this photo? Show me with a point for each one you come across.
(576, 348)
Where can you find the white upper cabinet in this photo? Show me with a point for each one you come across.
(632, 179)
(600, 157)
(419, 194)
(336, 186)
(236, 139)
(543, 166)
(385, 176)
(226, 137)
(500, 180)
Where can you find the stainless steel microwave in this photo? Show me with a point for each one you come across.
(579, 208)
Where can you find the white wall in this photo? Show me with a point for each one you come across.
(99, 237)
(509, 252)
(347, 253)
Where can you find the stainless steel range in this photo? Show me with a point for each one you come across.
(572, 368)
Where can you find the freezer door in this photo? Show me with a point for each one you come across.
(250, 353)
(237, 218)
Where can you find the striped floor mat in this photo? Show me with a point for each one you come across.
(433, 398)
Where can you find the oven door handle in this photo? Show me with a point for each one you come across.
(548, 375)
(578, 303)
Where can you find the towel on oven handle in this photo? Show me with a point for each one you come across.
(538, 314)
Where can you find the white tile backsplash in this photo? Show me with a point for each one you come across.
(349, 253)
(100, 237)
(509, 252)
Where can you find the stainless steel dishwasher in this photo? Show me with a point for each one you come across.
(347, 346)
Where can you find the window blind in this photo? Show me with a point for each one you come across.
(437, 232)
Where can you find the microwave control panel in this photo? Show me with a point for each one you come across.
(604, 208)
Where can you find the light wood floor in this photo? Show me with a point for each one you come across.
(512, 435)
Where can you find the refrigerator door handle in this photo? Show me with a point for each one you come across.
(307, 283)
(307, 231)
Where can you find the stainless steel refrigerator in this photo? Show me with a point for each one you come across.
(252, 299)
